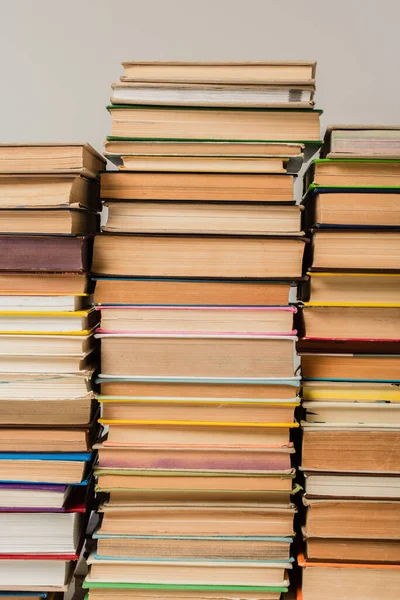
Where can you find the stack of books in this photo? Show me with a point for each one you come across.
(198, 375)
(351, 366)
(48, 211)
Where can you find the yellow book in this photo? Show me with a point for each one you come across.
(357, 393)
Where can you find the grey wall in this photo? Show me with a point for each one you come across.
(59, 57)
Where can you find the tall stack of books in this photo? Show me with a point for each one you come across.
(198, 379)
(48, 211)
(351, 367)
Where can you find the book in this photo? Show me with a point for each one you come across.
(353, 367)
(143, 389)
(207, 94)
(48, 322)
(200, 358)
(220, 257)
(47, 438)
(366, 414)
(48, 190)
(221, 572)
(194, 458)
(188, 218)
(61, 409)
(357, 580)
(45, 284)
(44, 253)
(61, 220)
(350, 486)
(357, 173)
(160, 291)
(355, 289)
(348, 450)
(104, 591)
(355, 250)
(220, 72)
(192, 435)
(351, 322)
(336, 550)
(38, 303)
(132, 410)
(361, 141)
(25, 467)
(199, 320)
(354, 519)
(37, 533)
(200, 187)
(36, 573)
(208, 123)
(198, 520)
(334, 208)
(45, 386)
(194, 547)
(44, 158)
(34, 497)
(348, 391)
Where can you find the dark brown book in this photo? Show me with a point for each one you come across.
(45, 253)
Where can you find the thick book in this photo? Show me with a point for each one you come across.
(213, 124)
(220, 72)
(47, 158)
(361, 551)
(194, 547)
(256, 358)
(361, 141)
(355, 250)
(48, 190)
(36, 573)
(189, 292)
(42, 467)
(45, 253)
(351, 367)
(197, 187)
(45, 284)
(351, 289)
(351, 450)
(201, 218)
(356, 208)
(351, 486)
(208, 94)
(362, 414)
(199, 256)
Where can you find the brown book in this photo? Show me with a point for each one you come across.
(187, 218)
(48, 439)
(356, 250)
(189, 435)
(255, 358)
(220, 72)
(197, 520)
(121, 498)
(205, 123)
(349, 581)
(360, 519)
(195, 256)
(351, 366)
(46, 190)
(46, 158)
(380, 551)
(356, 172)
(200, 187)
(374, 289)
(47, 411)
(187, 292)
(362, 141)
(352, 208)
(201, 548)
(47, 284)
(351, 450)
(44, 253)
(33, 470)
(351, 322)
(345, 346)
(179, 389)
(62, 220)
